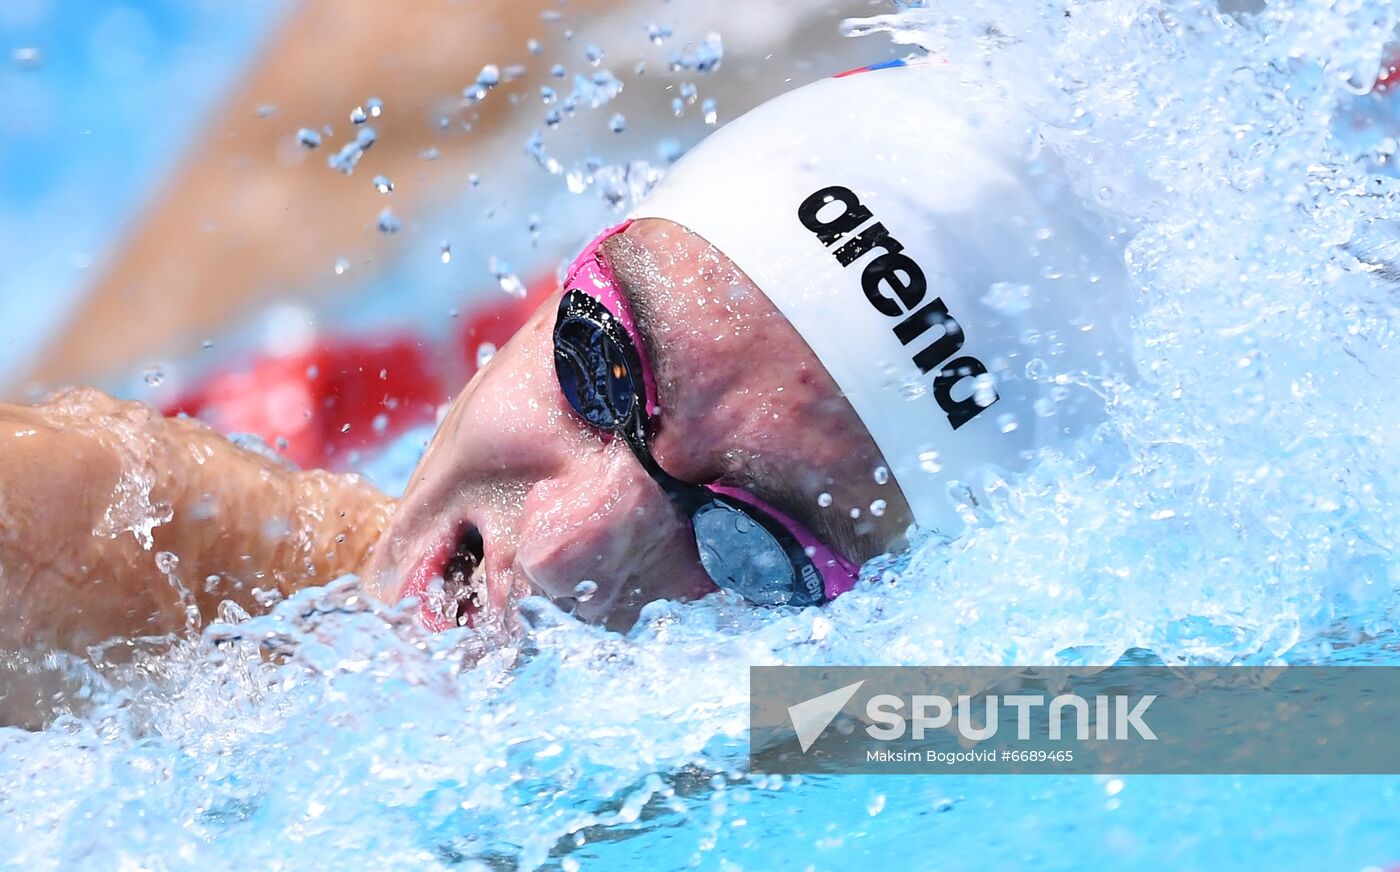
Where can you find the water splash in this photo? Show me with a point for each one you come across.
(348, 157)
(388, 222)
(1239, 505)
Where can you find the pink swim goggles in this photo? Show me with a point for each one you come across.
(745, 545)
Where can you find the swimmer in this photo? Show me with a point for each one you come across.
(846, 312)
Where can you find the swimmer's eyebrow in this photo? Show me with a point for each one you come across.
(618, 251)
(775, 487)
(621, 254)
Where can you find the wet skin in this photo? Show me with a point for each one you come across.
(114, 520)
(744, 402)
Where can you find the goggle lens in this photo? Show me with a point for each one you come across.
(739, 554)
(595, 370)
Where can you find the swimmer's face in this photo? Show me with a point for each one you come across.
(518, 494)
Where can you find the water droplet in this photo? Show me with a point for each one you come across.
(358, 116)
(489, 77)
(548, 95)
(657, 33)
(824, 499)
(677, 107)
(345, 428)
(617, 123)
(584, 590)
(594, 55)
(882, 475)
(484, 352)
(877, 508)
(689, 92)
(383, 184)
(389, 222)
(474, 180)
(855, 512)
(1007, 423)
(167, 562)
(709, 54)
(266, 110)
(28, 58)
(207, 344)
(349, 155)
(508, 280)
(534, 147)
(984, 390)
(1009, 298)
(308, 138)
(711, 113)
(380, 423)
(375, 107)
(341, 265)
(446, 251)
(876, 804)
(429, 154)
(558, 71)
(534, 47)
(153, 375)
(928, 462)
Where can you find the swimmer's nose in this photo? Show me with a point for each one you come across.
(570, 507)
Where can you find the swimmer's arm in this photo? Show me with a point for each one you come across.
(84, 479)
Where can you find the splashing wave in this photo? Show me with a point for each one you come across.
(1238, 506)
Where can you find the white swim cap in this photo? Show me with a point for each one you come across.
(966, 302)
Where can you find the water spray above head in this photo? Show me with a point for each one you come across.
(968, 304)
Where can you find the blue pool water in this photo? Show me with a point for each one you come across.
(1239, 506)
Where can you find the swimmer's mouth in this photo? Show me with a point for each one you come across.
(464, 579)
